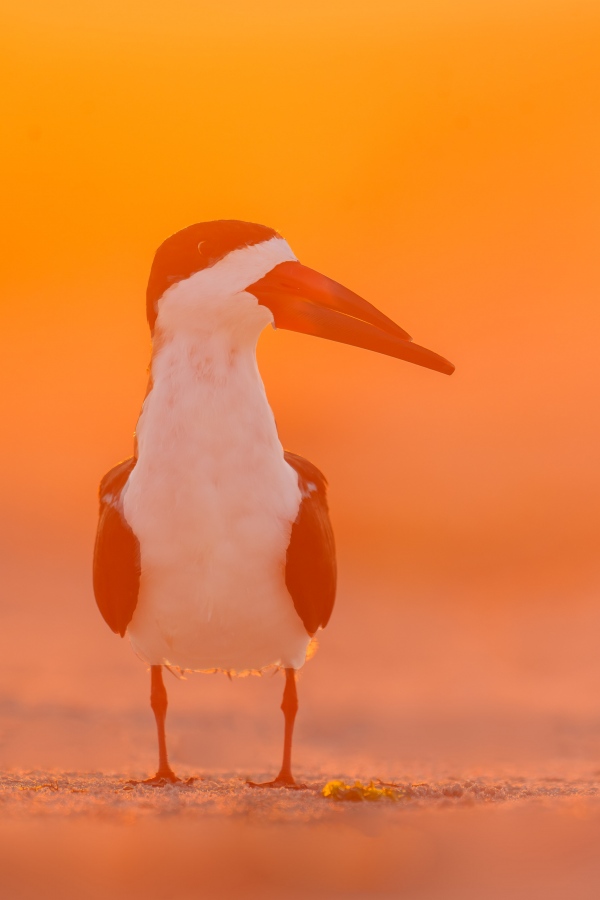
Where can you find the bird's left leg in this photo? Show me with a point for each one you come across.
(289, 706)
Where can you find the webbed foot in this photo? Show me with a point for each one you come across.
(162, 778)
(282, 781)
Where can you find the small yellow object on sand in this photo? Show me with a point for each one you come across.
(357, 792)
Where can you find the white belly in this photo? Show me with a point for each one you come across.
(212, 502)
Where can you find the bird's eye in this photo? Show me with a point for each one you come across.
(200, 246)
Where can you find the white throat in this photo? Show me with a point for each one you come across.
(214, 301)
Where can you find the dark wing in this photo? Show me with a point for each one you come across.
(311, 571)
(116, 553)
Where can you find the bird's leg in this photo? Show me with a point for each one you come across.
(289, 706)
(158, 702)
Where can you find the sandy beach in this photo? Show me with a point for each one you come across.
(91, 837)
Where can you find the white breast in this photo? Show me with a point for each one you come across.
(212, 502)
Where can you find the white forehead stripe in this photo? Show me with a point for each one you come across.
(216, 297)
(241, 268)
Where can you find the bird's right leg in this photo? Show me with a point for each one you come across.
(158, 702)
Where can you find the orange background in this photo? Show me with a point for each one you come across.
(439, 158)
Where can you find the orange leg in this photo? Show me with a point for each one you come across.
(159, 703)
(289, 706)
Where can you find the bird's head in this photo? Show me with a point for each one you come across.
(241, 276)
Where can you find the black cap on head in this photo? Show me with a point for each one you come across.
(195, 248)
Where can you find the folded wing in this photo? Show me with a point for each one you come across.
(116, 553)
(311, 571)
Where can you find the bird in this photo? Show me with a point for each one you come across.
(214, 549)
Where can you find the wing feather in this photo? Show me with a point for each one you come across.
(311, 571)
(116, 553)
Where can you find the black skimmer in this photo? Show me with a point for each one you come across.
(214, 549)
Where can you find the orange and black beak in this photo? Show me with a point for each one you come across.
(306, 301)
